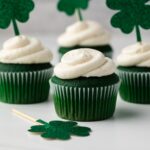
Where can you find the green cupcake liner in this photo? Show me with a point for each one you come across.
(135, 87)
(83, 103)
(24, 87)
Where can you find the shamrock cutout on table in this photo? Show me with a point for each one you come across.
(132, 14)
(60, 129)
(71, 6)
(13, 11)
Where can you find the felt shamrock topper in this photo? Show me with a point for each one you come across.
(55, 129)
(132, 14)
(12, 11)
(72, 6)
(59, 129)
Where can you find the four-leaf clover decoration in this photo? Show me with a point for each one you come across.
(70, 6)
(132, 14)
(59, 129)
(14, 10)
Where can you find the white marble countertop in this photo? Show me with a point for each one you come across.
(128, 129)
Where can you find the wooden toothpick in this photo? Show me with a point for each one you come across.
(25, 116)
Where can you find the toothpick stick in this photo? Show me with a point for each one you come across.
(79, 15)
(25, 116)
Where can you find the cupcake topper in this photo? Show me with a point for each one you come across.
(13, 11)
(55, 129)
(132, 14)
(72, 6)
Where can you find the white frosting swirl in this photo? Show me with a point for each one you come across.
(135, 55)
(85, 33)
(24, 50)
(84, 63)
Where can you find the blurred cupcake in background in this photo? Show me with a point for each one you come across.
(25, 69)
(84, 86)
(134, 61)
(134, 71)
(85, 34)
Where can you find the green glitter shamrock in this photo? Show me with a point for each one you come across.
(14, 10)
(70, 6)
(132, 14)
(59, 129)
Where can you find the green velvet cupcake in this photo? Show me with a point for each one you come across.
(134, 72)
(85, 86)
(24, 71)
(85, 34)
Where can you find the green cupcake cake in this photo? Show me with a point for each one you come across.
(83, 33)
(25, 69)
(134, 71)
(134, 61)
(25, 66)
(84, 86)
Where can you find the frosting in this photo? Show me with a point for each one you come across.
(84, 33)
(135, 55)
(84, 63)
(24, 50)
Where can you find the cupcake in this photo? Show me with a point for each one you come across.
(84, 86)
(134, 71)
(85, 34)
(25, 69)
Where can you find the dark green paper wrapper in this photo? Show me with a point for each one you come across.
(25, 87)
(135, 85)
(105, 49)
(84, 103)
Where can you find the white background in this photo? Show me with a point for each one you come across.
(129, 128)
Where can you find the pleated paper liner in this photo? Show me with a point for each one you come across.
(135, 87)
(84, 104)
(24, 87)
